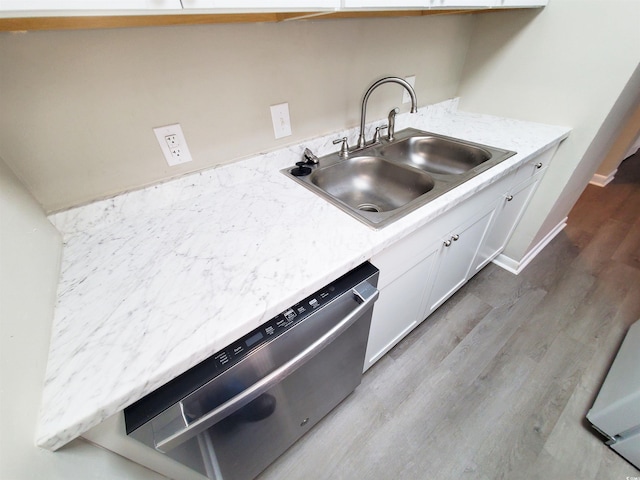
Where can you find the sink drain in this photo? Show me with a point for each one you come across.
(368, 207)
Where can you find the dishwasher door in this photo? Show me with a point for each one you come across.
(239, 422)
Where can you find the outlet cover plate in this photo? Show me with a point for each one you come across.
(281, 120)
(173, 144)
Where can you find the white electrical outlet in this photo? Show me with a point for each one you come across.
(405, 95)
(172, 140)
(173, 144)
(281, 120)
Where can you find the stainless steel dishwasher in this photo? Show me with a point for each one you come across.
(233, 414)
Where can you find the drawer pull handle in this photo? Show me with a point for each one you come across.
(539, 165)
(455, 237)
(447, 243)
(509, 198)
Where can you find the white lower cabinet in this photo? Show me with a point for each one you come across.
(510, 208)
(419, 272)
(397, 310)
(508, 213)
(456, 253)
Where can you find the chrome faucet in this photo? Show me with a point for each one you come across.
(363, 112)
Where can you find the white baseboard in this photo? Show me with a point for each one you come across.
(515, 266)
(601, 180)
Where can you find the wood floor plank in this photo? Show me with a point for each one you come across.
(444, 329)
(629, 249)
(564, 298)
(582, 456)
(477, 349)
(614, 467)
(532, 415)
(629, 210)
(597, 254)
(435, 339)
(496, 286)
(591, 322)
(617, 201)
(629, 308)
(600, 203)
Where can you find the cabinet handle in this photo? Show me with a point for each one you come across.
(455, 237)
(539, 165)
(509, 198)
(447, 243)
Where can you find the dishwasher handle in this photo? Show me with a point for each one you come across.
(364, 293)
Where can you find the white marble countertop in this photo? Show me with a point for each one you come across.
(156, 280)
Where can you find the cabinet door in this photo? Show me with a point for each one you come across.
(457, 253)
(508, 214)
(444, 4)
(53, 5)
(257, 5)
(521, 3)
(398, 309)
(385, 4)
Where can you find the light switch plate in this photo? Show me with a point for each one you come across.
(411, 80)
(281, 120)
(173, 144)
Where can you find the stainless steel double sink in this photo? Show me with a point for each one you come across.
(383, 182)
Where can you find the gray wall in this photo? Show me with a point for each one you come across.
(78, 107)
(29, 266)
(567, 64)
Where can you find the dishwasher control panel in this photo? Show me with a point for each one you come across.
(273, 328)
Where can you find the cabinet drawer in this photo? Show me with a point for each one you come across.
(534, 166)
(403, 255)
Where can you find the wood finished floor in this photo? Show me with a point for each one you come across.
(497, 382)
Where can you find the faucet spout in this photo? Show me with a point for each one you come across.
(363, 111)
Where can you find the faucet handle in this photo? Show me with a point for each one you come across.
(344, 148)
(376, 136)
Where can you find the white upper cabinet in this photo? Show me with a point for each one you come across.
(520, 3)
(455, 4)
(69, 8)
(258, 5)
(84, 5)
(446, 4)
(385, 4)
